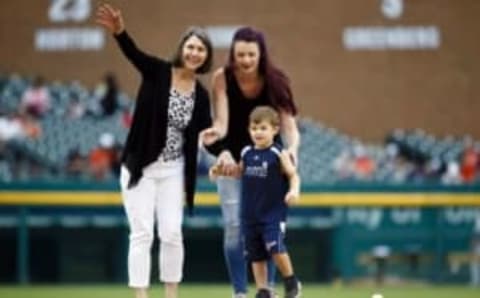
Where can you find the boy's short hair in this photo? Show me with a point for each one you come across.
(265, 113)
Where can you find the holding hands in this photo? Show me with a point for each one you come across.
(225, 166)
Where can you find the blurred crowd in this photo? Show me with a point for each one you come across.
(23, 123)
(326, 156)
(407, 163)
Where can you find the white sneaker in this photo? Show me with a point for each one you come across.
(239, 295)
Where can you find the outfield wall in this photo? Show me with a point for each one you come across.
(83, 234)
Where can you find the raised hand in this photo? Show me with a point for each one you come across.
(110, 18)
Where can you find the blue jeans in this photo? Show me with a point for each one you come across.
(229, 190)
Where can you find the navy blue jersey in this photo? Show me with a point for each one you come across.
(264, 186)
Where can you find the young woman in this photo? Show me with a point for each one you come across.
(160, 156)
(248, 80)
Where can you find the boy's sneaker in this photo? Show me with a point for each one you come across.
(263, 293)
(239, 295)
(293, 287)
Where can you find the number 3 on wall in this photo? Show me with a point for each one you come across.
(69, 10)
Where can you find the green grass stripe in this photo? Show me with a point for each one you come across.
(223, 291)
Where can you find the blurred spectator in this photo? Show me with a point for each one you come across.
(469, 162)
(452, 175)
(117, 160)
(101, 158)
(343, 165)
(434, 169)
(36, 99)
(30, 126)
(127, 117)
(381, 253)
(363, 164)
(76, 164)
(75, 108)
(106, 94)
(402, 169)
(19, 126)
(10, 128)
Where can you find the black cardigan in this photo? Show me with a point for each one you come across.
(147, 136)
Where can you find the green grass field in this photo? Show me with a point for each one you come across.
(223, 291)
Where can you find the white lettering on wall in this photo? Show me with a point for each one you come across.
(398, 37)
(462, 215)
(370, 218)
(69, 39)
(406, 216)
(383, 38)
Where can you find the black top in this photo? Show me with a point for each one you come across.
(239, 109)
(147, 135)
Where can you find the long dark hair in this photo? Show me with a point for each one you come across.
(177, 59)
(276, 81)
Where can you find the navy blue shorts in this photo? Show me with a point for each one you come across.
(263, 240)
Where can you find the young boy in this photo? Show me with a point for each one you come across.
(269, 184)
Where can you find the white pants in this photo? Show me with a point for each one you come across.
(157, 197)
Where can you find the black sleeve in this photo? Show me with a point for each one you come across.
(217, 147)
(206, 116)
(143, 62)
